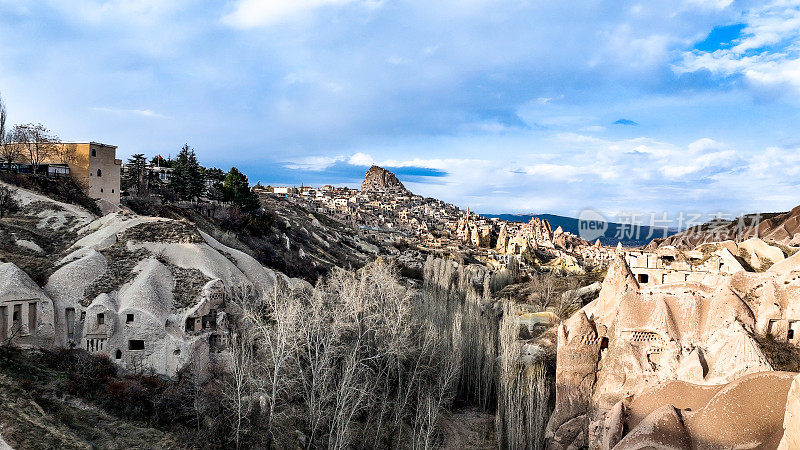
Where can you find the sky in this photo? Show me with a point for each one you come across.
(503, 106)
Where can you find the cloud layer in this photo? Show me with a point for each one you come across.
(507, 106)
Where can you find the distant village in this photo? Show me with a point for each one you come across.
(384, 205)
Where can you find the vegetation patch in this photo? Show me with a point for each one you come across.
(62, 189)
(167, 232)
(188, 285)
(38, 266)
(787, 251)
(119, 270)
(780, 354)
(41, 408)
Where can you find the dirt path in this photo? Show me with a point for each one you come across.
(468, 429)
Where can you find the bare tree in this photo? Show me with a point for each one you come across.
(238, 392)
(66, 153)
(348, 363)
(36, 142)
(9, 152)
(544, 290)
(2, 120)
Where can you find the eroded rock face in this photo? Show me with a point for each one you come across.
(635, 337)
(380, 179)
(791, 419)
(579, 346)
(746, 413)
(150, 293)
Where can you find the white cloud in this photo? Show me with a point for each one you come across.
(594, 129)
(137, 112)
(361, 159)
(710, 4)
(314, 163)
(767, 54)
(261, 13)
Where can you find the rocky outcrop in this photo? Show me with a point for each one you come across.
(579, 346)
(791, 419)
(637, 337)
(149, 293)
(380, 179)
(26, 312)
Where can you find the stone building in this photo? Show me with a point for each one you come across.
(97, 166)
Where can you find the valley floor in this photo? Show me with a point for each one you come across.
(468, 429)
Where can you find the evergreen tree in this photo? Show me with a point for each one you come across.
(187, 177)
(134, 178)
(236, 190)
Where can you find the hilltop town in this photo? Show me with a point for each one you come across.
(383, 205)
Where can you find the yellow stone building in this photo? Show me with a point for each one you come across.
(97, 166)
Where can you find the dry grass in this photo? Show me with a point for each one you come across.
(188, 285)
(781, 355)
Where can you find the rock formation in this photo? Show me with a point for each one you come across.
(380, 179)
(637, 336)
(746, 413)
(150, 293)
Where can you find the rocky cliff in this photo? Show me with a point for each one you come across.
(380, 179)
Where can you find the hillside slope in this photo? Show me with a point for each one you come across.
(36, 412)
(781, 228)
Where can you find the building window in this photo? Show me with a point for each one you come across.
(794, 327)
(118, 354)
(136, 344)
(112, 191)
(129, 318)
(94, 152)
(99, 173)
(644, 278)
(101, 318)
(101, 189)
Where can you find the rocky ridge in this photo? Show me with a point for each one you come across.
(781, 228)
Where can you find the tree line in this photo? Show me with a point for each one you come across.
(188, 180)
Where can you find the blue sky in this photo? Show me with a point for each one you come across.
(505, 106)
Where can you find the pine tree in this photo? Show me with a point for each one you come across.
(187, 177)
(237, 191)
(134, 178)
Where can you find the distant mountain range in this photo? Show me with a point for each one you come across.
(570, 224)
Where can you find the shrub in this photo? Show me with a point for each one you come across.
(780, 354)
(87, 374)
(8, 204)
